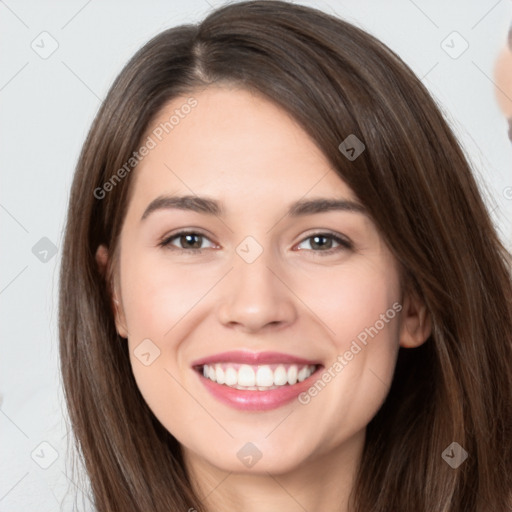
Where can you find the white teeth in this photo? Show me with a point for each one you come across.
(262, 377)
(303, 374)
(219, 374)
(292, 375)
(246, 376)
(231, 377)
(280, 376)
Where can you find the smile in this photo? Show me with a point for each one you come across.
(255, 381)
(261, 378)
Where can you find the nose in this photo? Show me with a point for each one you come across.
(255, 296)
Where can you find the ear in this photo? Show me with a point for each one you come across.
(102, 260)
(416, 322)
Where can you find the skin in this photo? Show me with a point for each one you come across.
(247, 153)
(503, 82)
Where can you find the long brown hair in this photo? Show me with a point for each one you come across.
(417, 185)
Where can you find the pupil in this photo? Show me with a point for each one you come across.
(189, 238)
(317, 244)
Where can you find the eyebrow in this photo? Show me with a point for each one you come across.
(212, 207)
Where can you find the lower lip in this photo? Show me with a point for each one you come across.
(252, 400)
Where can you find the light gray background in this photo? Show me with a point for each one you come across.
(47, 106)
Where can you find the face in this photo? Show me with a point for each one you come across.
(298, 305)
(503, 81)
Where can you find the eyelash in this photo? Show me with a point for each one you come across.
(343, 244)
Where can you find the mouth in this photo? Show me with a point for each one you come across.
(256, 381)
(256, 378)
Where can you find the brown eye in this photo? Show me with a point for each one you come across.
(186, 241)
(325, 243)
(191, 241)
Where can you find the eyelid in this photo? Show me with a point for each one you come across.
(318, 232)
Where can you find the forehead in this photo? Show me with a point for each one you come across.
(233, 144)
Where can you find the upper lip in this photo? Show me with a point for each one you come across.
(253, 358)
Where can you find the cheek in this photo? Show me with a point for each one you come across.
(361, 309)
(158, 294)
(160, 301)
(353, 298)
(150, 311)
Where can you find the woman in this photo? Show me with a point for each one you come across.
(280, 287)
